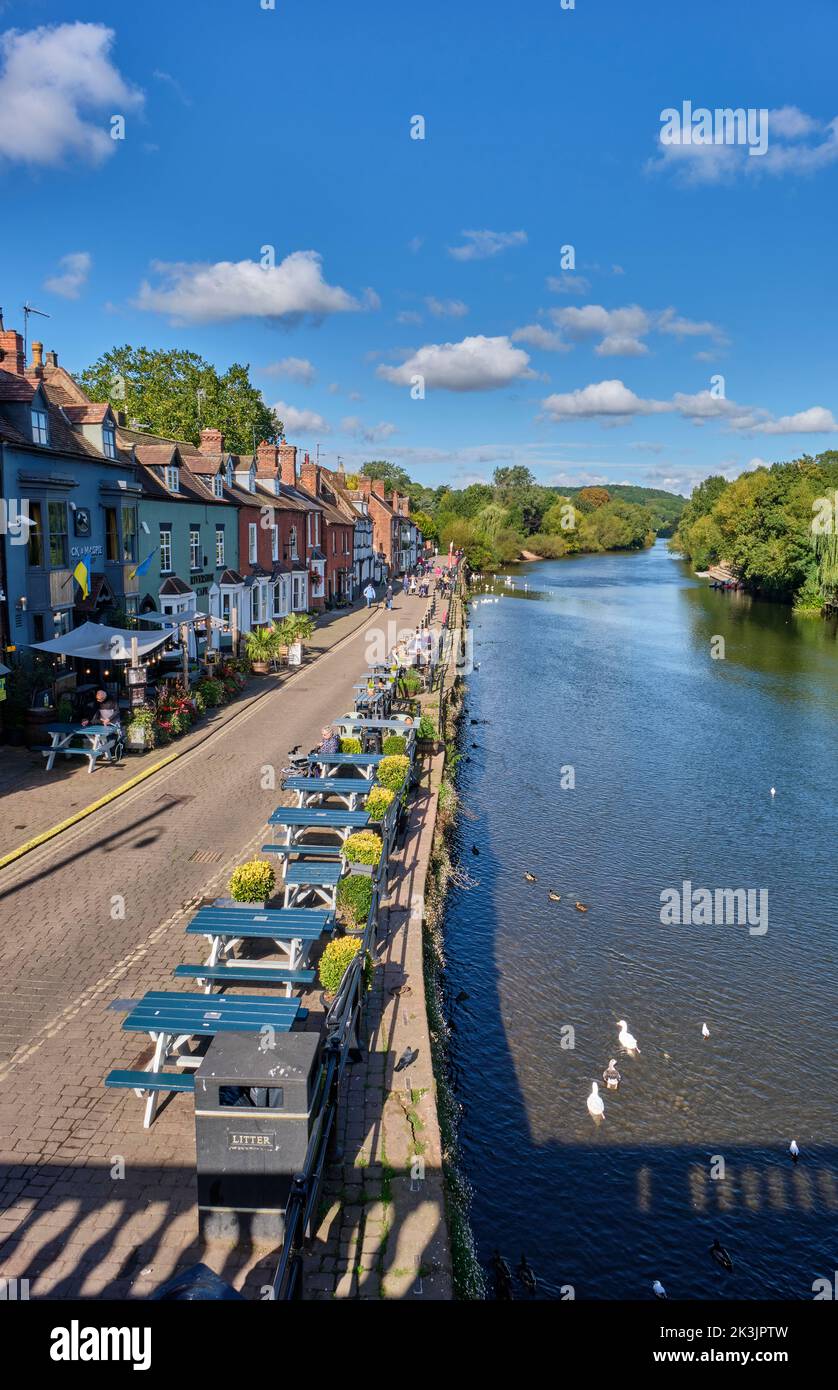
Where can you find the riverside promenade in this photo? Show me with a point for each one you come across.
(91, 1204)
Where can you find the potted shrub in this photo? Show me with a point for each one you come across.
(354, 900)
(426, 734)
(394, 745)
(140, 733)
(261, 646)
(379, 802)
(364, 848)
(350, 745)
(392, 772)
(336, 960)
(253, 882)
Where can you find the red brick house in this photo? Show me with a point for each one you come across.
(339, 537)
(300, 521)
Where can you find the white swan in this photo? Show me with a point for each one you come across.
(794, 1150)
(611, 1076)
(705, 1031)
(596, 1105)
(625, 1038)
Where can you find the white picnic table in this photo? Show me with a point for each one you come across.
(97, 742)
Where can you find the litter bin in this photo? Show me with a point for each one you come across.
(253, 1120)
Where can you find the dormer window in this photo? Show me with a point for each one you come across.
(172, 475)
(229, 474)
(218, 485)
(40, 426)
(109, 441)
(251, 482)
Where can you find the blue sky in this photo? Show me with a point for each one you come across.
(291, 128)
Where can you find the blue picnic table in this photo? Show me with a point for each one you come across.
(346, 789)
(298, 819)
(172, 1020)
(292, 929)
(365, 762)
(97, 741)
(312, 876)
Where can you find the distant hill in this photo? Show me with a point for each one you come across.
(666, 507)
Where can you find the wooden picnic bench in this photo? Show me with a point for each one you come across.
(298, 820)
(346, 789)
(98, 742)
(172, 1020)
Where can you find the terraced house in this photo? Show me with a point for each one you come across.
(338, 540)
(70, 498)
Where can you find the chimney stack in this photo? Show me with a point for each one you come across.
(364, 486)
(212, 441)
(52, 359)
(379, 488)
(267, 463)
(310, 476)
(288, 464)
(11, 350)
(37, 359)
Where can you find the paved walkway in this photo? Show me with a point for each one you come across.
(90, 1203)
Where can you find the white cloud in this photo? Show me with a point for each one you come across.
(446, 308)
(475, 364)
(670, 321)
(816, 420)
(568, 284)
(370, 434)
(202, 293)
(534, 335)
(479, 246)
(622, 331)
(301, 421)
(295, 368)
(408, 316)
(609, 401)
(58, 89)
(798, 144)
(74, 268)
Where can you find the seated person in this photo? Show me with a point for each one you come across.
(329, 741)
(101, 709)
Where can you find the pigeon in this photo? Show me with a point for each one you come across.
(407, 1058)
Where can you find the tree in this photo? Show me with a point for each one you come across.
(390, 474)
(592, 497)
(176, 393)
(426, 525)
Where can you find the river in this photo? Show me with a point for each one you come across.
(609, 675)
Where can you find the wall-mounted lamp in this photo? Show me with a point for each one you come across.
(21, 604)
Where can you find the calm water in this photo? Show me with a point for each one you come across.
(674, 756)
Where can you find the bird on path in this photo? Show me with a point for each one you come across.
(705, 1031)
(625, 1038)
(720, 1255)
(611, 1076)
(658, 1289)
(794, 1151)
(554, 897)
(596, 1105)
(407, 1058)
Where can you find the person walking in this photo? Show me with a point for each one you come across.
(369, 594)
(389, 596)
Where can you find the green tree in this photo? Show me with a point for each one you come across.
(427, 525)
(175, 393)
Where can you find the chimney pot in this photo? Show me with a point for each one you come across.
(212, 442)
(52, 359)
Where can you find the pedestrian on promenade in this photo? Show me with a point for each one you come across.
(369, 594)
(389, 596)
(101, 710)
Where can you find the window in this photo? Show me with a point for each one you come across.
(111, 535)
(165, 550)
(278, 599)
(219, 545)
(40, 426)
(129, 535)
(252, 542)
(172, 474)
(225, 608)
(109, 441)
(274, 542)
(36, 534)
(334, 542)
(218, 485)
(293, 543)
(194, 547)
(57, 534)
(254, 604)
(308, 529)
(346, 542)
(298, 591)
